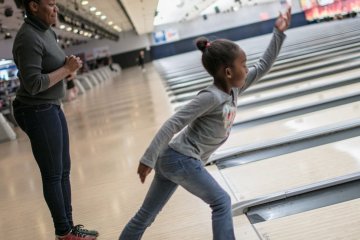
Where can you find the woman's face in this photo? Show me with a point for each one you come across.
(46, 11)
(239, 70)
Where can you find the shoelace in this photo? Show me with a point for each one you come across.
(80, 231)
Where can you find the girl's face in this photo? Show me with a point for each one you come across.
(238, 71)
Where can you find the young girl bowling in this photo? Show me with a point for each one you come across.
(208, 119)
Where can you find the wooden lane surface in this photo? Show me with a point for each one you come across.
(281, 173)
(291, 126)
(336, 222)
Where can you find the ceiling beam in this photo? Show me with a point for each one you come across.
(126, 14)
(141, 14)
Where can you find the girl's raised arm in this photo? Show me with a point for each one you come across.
(265, 63)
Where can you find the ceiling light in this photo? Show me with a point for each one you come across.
(110, 23)
(76, 30)
(116, 27)
(84, 3)
(81, 32)
(69, 29)
(92, 9)
(62, 26)
(98, 13)
(103, 17)
(97, 36)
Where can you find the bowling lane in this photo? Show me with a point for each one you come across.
(320, 64)
(339, 221)
(184, 98)
(247, 113)
(201, 80)
(285, 172)
(290, 126)
(313, 98)
(321, 81)
(284, 63)
(315, 56)
(216, 174)
(287, 55)
(244, 229)
(342, 67)
(288, 69)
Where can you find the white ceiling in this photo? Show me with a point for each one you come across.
(231, 5)
(184, 10)
(142, 13)
(12, 24)
(179, 10)
(110, 10)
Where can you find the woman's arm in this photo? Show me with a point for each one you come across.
(265, 63)
(68, 71)
(29, 61)
(201, 104)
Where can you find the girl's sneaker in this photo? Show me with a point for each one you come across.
(79, 229)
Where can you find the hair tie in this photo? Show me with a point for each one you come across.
(208, 44)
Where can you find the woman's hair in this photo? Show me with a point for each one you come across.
(26, 6)
(217, 54)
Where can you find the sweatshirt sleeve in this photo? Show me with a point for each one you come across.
(260, 68)
(200, 105)
(29, 54)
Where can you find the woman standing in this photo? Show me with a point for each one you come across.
(43, 66)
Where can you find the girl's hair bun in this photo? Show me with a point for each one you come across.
(201, 43)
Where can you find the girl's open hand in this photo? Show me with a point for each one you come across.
(283, 21)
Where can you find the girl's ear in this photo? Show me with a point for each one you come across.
(228, 72)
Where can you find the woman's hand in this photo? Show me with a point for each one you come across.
(283, 21)
(143, 171)
(73, 63)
